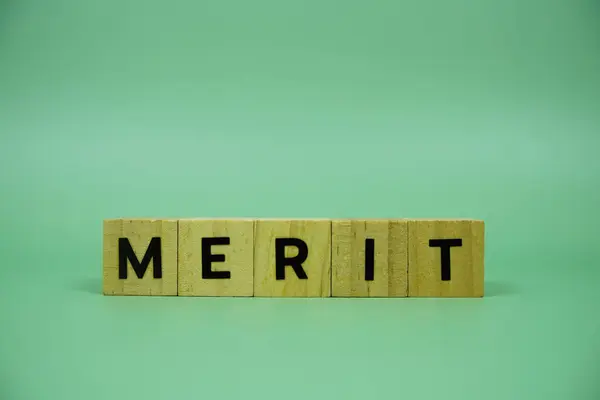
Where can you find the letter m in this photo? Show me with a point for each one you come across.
(152, 253)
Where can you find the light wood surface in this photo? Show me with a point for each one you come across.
(369, 258)
(315, 234)
(147, 243)
(462, 241)
(225, 247)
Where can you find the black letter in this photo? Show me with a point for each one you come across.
(445, 245)
(295, 262)
(208, 258)
(126, 253)
(369, 259)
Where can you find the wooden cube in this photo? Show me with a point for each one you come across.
(140, 257)
(216, 257)
(292, 258)
(369, 258)
(445, 258)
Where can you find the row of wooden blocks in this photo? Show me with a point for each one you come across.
(294, 257)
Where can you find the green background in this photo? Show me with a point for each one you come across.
(320, 108)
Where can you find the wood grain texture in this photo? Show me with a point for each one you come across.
(317, 236)
(348, 258)
(466, 260)
(139, 234)
(238, 257)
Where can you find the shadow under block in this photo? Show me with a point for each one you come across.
(216, 257)
(292, 258)
(445, 258)
(369, 258)
(140, 257)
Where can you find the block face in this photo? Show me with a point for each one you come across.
(369, 258)
(276, 242)
(223, 248)
(460, 243)
(146, 245)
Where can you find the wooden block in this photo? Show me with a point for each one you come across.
(369, 258)
(292, 258)
(216, 257)
(445, 258)
(140, 257)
